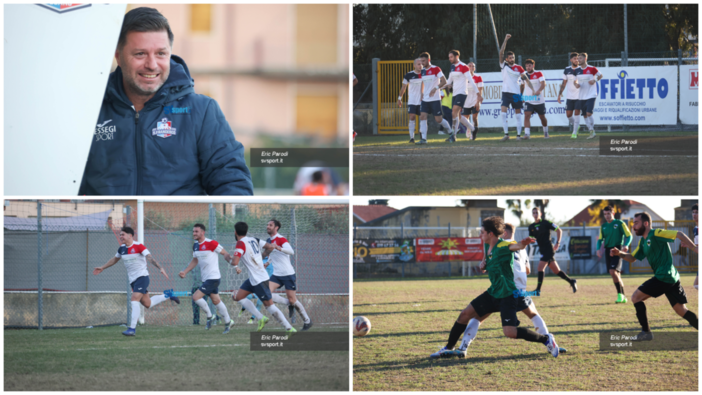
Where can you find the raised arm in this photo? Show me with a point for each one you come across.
(502, 49)
(152, 261)
(685, 241)
(109, 263)
(190, 267)
(522, 244)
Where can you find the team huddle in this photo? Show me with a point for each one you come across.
(522, 89)
(249, 251)
(507, 266)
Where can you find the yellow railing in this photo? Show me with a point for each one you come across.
(391, 118)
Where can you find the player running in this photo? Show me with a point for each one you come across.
(248, 251)
(135, 255)
(205, 255)
(666, 279)
(413, 79)
(463, 86)
(613, 231)
(521, 270)
(570, 74)
(284, 273)
(432, 76)
(541, 231)
(535, 102)
(586, 82)
(510, 88)
(475, 110)
(502, 295)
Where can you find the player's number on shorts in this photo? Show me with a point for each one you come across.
(254, 246)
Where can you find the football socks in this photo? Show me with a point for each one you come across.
(641, 315)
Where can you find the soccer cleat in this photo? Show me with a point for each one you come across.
(169, 294)
(644, 336)
(527, 136)
(519, 138)
(307, 326)
(620, 298)
(129, 332)
(291, 331)
(552, 346)
(240, 311)
(251, 321)
(574, 136)
(262, 323)
(562, 350)
(574, 285)
(422, 141)
(439, 354)
(442, 132)
(624, 299)
(412, 140)
(546, 136)
(592, 135)
(227, 327)
(505, 138)
(210, 321)
(454, 353)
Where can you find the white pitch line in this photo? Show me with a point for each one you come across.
(141, 348)
(527, 155)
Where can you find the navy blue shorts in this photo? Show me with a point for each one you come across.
(469, 110)
(459, 100)
(287, 281)
(585, 106)
(413, 109)
(432, 107)
(537, 108)
(262, 289)
(571, 104)
(141, 285)
(210, 287)
(513, 99)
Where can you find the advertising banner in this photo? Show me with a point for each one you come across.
(383, 251)
(689, 99)
(449, 249)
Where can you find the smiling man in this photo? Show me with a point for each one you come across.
(155, 135)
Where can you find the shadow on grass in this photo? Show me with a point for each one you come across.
(426, 362)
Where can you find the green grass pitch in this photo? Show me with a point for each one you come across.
(389, 165)
(411, 319)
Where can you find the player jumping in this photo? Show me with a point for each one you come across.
(432, 76)
(613, 231)
(510, 88)
(586, 82)
(535, 102)
(666, 279)
(135, 255)
(205, 255)
(413, 79)
(570, 74)
(541, 231)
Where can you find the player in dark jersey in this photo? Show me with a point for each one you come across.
(666, 279)
(541, 231)
(615, 233)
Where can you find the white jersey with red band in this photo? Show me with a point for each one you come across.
(134, 258)
(248, 249)
(537, 80)
(281, 259)
(431, 78)
(588, 91)
(207, 258)
(570, 74)
(461, 79)
(510, 76)
(472, 98)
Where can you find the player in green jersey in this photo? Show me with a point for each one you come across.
(613, 231)
(666, 280)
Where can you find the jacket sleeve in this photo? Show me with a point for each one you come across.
(223, 169)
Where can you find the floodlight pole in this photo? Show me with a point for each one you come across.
(475, 34)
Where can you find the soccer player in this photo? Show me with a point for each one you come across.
(613, 231)
(666, 279)
(535, 102)
(413, 79)
(432, 76)
(570, 75)
(521, 270)
(135, 255)
(462, 84)
(510, 89)
(284, 273)
(475, 110)
(248, 251)
(586, 82)
(502, 295)
(695, 232)
(541, 231)
(205, 255)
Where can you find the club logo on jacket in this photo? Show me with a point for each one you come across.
(105, 132)
(164, 129)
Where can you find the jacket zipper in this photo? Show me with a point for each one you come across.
(138, 151)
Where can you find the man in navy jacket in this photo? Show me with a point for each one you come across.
(155, 135)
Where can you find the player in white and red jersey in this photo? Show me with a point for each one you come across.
(432, 76)
(205, 253)
(463, 85)
(413, 80)
(474, 110)
(511, 73)
(135, 255)
(586, 82)
(535, 101)
(284, 273)
(248, 250)
(570, 74)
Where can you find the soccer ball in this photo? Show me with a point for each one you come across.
(361, 326)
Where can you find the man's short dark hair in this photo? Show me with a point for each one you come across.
(241, 228)
(530, 61)
(201, 226)
(584, 54)
(127, 229)
(694, 208)
(645, 217)
(509, 227)
(573, 55)
(494, 225)
(317, 176)
(143, 19)
(508, 53)
(276, 223)
(455, 53)
(425, 55)
(537, 208)
(607, 208)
